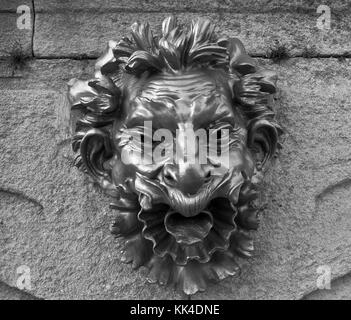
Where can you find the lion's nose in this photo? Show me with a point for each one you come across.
(188, 178)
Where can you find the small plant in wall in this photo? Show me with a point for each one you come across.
(16, 57)
(278, 52)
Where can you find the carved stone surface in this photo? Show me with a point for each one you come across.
(54, 220)
(67, 244)
(185, 213)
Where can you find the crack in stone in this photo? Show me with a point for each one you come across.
(329, 189)
(33, 27)
(312, 11)
(93, 58)
(21, 195)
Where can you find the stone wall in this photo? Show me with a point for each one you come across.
(55, 221)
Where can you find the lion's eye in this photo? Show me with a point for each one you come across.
(219, 141)
(219, 135)
(223, 135)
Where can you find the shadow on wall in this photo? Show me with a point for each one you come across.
(11, 293)
(340, 289)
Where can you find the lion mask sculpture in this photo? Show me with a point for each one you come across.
(186, 221)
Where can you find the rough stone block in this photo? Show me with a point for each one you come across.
(189, 5)
(84, 33)
(56, 222)
(306, 221)
(53, 219)
(14, 41)
(12, 5)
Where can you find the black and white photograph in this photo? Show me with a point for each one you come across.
(176, 157)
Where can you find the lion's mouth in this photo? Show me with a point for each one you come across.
(189, 238)
(189, 227)
(188, 230)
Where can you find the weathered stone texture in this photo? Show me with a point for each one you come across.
(12, 5)
(85, 33)
(56, 222)
(189, 5)
(307, 220)
(52, 219)
(12, 39)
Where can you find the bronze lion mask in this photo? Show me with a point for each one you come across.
(184, 210)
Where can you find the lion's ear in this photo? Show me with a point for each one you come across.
(253, 91)
(98, 101)
(262, 141)
(95, 151)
